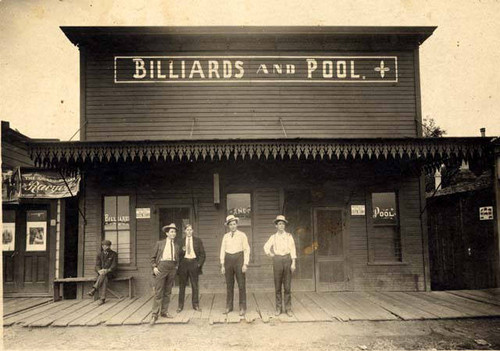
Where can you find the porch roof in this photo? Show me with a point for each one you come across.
(427, 150)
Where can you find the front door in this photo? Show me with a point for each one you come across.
(26, 266)
(329, 257)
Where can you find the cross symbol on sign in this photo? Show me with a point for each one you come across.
(382, 69)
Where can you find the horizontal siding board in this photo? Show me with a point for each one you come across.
(336, 110)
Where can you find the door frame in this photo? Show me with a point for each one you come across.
(180, 232)
(341, 286)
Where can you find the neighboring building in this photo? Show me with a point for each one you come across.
(32, 207)
(321, 124)
(462, 239)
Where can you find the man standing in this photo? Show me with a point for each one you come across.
(164, 261)
(192, 257)
(234, 258)
(105, 266)
(281, 247)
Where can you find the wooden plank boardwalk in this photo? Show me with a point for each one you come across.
(306, 306)
(13, 305)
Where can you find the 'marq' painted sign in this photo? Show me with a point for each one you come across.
(250, 69)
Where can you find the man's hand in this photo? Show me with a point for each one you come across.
(222, 270)
(102, 271)
(244, 268)
(271, 254)
(292, 267)
(156, 271)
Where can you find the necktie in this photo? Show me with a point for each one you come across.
(172, 249)
(189, 246)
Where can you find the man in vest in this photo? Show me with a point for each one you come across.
(105, 266)
(164, 260)
(192, 257)
(234, 258)
(281, 247)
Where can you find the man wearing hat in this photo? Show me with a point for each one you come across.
(105, 266)
(281, 247)
(164, 260)
(234, 258)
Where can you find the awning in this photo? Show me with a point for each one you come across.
(429, 153)
(24, 183)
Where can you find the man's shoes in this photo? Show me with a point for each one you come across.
(101, 302)
(289, 313)
(228, 310)
(91, 292)
(179, 309)
(277, 312)
(242, 312)
(153, 319)
(197, 308)
(166, 315)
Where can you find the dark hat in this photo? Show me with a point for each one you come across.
(280, 218)
(170, 226)
(106, 242)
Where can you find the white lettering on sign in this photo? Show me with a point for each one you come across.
(384, 213)
(250, 69)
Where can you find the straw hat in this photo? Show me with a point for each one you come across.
(170, 226)
(231, 218)
(280, 218)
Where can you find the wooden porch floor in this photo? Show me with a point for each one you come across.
(307, 307)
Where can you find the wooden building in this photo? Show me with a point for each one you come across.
(321, 124)
(33, 220)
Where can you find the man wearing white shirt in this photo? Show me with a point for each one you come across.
(234, 258)
(191, 259)
(281, 247)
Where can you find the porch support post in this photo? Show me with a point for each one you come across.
(425, 234)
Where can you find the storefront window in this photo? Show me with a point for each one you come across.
(117, 226)
(385, 237)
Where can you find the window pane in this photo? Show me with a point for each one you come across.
(384, 208)
(109, 212)
(386, 244)
(124, 237)
(123, 212)
(240, 205)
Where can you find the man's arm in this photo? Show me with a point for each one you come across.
(246, 250)
(154, 253)
(98, 263)
(114, 263)
(201, 260)
(268, 245)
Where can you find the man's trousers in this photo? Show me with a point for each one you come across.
(163, 283)
(188, 268)
(283, 277)
(233, 264)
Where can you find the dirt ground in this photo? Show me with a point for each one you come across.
(444, 334)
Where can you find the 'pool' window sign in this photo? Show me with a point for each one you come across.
(384, 209)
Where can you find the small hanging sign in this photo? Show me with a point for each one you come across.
(485, 213)
(142, 213)
(357, 210)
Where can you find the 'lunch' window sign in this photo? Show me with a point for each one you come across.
(249, 69)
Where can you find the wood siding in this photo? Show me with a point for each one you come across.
(161, 186)
(246, 110)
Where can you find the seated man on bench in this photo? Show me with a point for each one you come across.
(105, 266)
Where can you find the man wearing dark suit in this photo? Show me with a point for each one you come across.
(192, 257)
(105, 266)
(164, 261)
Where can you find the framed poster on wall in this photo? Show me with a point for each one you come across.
(8, 236)
(36, 231)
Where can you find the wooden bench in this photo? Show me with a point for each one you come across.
(59, 285)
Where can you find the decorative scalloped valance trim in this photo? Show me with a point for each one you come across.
(49, 154)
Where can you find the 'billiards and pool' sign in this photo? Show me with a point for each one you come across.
(255, 69)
